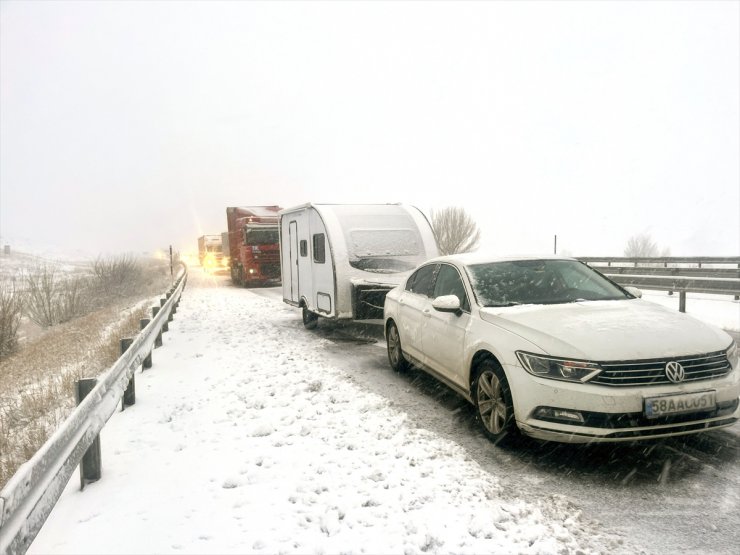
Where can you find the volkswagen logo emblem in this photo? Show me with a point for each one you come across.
(674, 371)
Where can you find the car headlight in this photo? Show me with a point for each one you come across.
(558, 368)
(733, 354)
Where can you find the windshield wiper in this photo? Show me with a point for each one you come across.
(501, 305)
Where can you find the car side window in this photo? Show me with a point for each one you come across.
(449, 283)
(421, 281)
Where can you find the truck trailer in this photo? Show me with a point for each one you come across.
(339, 261)
(210, 252)
(254, 250)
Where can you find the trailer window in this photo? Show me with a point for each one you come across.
(319, 252)
(304, 247)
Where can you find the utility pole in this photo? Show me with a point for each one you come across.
(555, 251)
(171, 270)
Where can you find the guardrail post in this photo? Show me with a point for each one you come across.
(129, 396)
(158, 340)
(144, 322)
(91, 465)
(172, 310)
(682, 301)
(165, 327)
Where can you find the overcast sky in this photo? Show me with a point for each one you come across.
(129, 126)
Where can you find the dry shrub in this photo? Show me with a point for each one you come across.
(53, 298)
(11, 310)
(37, 385)
(117, 276)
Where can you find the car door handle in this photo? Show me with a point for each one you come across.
(427, 313)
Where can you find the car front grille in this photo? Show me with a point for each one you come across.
(652, 372)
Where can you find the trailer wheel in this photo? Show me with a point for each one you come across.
(310, 319)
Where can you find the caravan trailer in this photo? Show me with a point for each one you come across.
(338, 261)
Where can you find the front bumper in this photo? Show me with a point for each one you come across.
(613, 415)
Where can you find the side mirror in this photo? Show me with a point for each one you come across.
(447, 303)
(634, 291)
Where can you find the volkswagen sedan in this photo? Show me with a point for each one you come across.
(552, 348)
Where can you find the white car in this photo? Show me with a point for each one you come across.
(552, 348)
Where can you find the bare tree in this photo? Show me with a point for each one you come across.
(11, 310)
(643, 246)
(455, 230)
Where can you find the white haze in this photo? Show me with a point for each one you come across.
(129, 126)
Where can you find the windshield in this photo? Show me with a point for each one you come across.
(261, 236)
(539, 282)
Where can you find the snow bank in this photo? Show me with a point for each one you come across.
(245, 440)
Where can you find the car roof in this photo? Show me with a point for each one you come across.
(471, 258)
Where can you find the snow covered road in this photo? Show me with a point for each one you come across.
(253, 435)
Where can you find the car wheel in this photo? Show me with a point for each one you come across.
(395, 353)
(493, 402)
(310, 319)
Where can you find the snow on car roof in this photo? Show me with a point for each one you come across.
(471, 258)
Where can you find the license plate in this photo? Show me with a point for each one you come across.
(677, 404)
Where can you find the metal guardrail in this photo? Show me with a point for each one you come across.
(701, 274)
(30, 495)
(663, 260)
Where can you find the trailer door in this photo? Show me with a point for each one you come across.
(293, 241)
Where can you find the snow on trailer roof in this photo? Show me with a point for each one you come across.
(321, 206)
(398, 233)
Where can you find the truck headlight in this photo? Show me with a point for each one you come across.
(558, 368)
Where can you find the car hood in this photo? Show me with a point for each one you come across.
(609, 330)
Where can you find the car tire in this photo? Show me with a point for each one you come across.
(395, 353)
(494, 406)
(310, 319)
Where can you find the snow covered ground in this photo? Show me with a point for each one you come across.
(245, 438)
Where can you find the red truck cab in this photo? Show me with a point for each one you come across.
(254, 244)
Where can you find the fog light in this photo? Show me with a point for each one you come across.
(550, 413)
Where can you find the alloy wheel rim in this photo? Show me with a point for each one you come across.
(394, 345)
(491, 403)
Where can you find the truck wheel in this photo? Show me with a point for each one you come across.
(493, 402)
(395, 354)
(310, 319)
